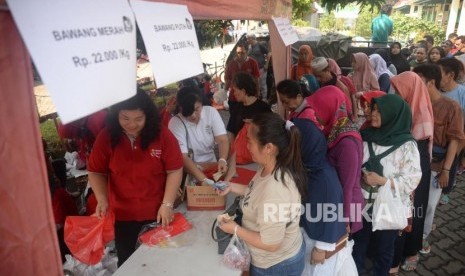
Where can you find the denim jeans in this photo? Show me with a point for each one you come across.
(290, 267)
(383, 248)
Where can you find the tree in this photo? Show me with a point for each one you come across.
(363, 22)
(331, 5)
(300, 8)
(406, 28)
(212, 32)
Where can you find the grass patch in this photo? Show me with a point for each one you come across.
(50, 135)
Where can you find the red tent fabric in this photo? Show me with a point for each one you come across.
(29, 244)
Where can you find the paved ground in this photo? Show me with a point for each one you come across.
(447, 255)
(447, 241)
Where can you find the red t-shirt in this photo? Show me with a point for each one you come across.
(63, 205)
(136, 178)
(250, 66)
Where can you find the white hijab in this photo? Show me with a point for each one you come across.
(379, 65)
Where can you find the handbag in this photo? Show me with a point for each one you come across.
(218, 235)
(181, 195)
(389, 212)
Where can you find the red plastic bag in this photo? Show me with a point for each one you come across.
(86, 236)
(159, 234)
(240, 146)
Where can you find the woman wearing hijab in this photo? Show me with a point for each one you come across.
(327, 248)
(325, 76)
(387, 58)
(381, 71)
(390, 157)
(398, 59)
(344, 146)
(334, 67)
(363, 75)
(303, 66)
(412, 89)
(365, 102)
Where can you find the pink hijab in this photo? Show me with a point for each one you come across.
(364, 77)
(330, 105)
(333, 67)
(412, 89)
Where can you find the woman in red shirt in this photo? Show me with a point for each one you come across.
(135, 170)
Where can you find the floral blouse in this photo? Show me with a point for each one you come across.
(402, 166)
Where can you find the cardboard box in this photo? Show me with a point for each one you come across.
(204, 198)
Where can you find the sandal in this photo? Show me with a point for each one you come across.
(444, 200)
(410, 263)
(426, 248)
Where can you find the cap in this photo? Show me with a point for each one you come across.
(319, 64)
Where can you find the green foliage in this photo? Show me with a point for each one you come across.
(406, 28)
(300, 7)
(363, 23)
(50, 135)
(333, 4)
(300, 23)
(329, 23)
(211, 32)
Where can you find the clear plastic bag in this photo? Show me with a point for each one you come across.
(154, 234)
(237, 255)
(106, 267)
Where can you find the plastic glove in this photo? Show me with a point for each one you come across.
(220, 185)
(208, 181)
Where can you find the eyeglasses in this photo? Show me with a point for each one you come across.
(240, 53)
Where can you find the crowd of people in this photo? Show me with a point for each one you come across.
(395, 121)
(391, 125)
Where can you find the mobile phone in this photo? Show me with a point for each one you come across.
(435, 182)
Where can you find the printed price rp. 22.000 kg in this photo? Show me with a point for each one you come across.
(101, 57)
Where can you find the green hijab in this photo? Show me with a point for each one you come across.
(396, 122)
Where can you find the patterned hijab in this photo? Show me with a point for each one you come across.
(364, 77)
(330, 105)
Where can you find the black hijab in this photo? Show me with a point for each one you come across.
(399, 61)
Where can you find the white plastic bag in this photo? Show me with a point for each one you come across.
(389, 212)
(106, 267)
(237, 255)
